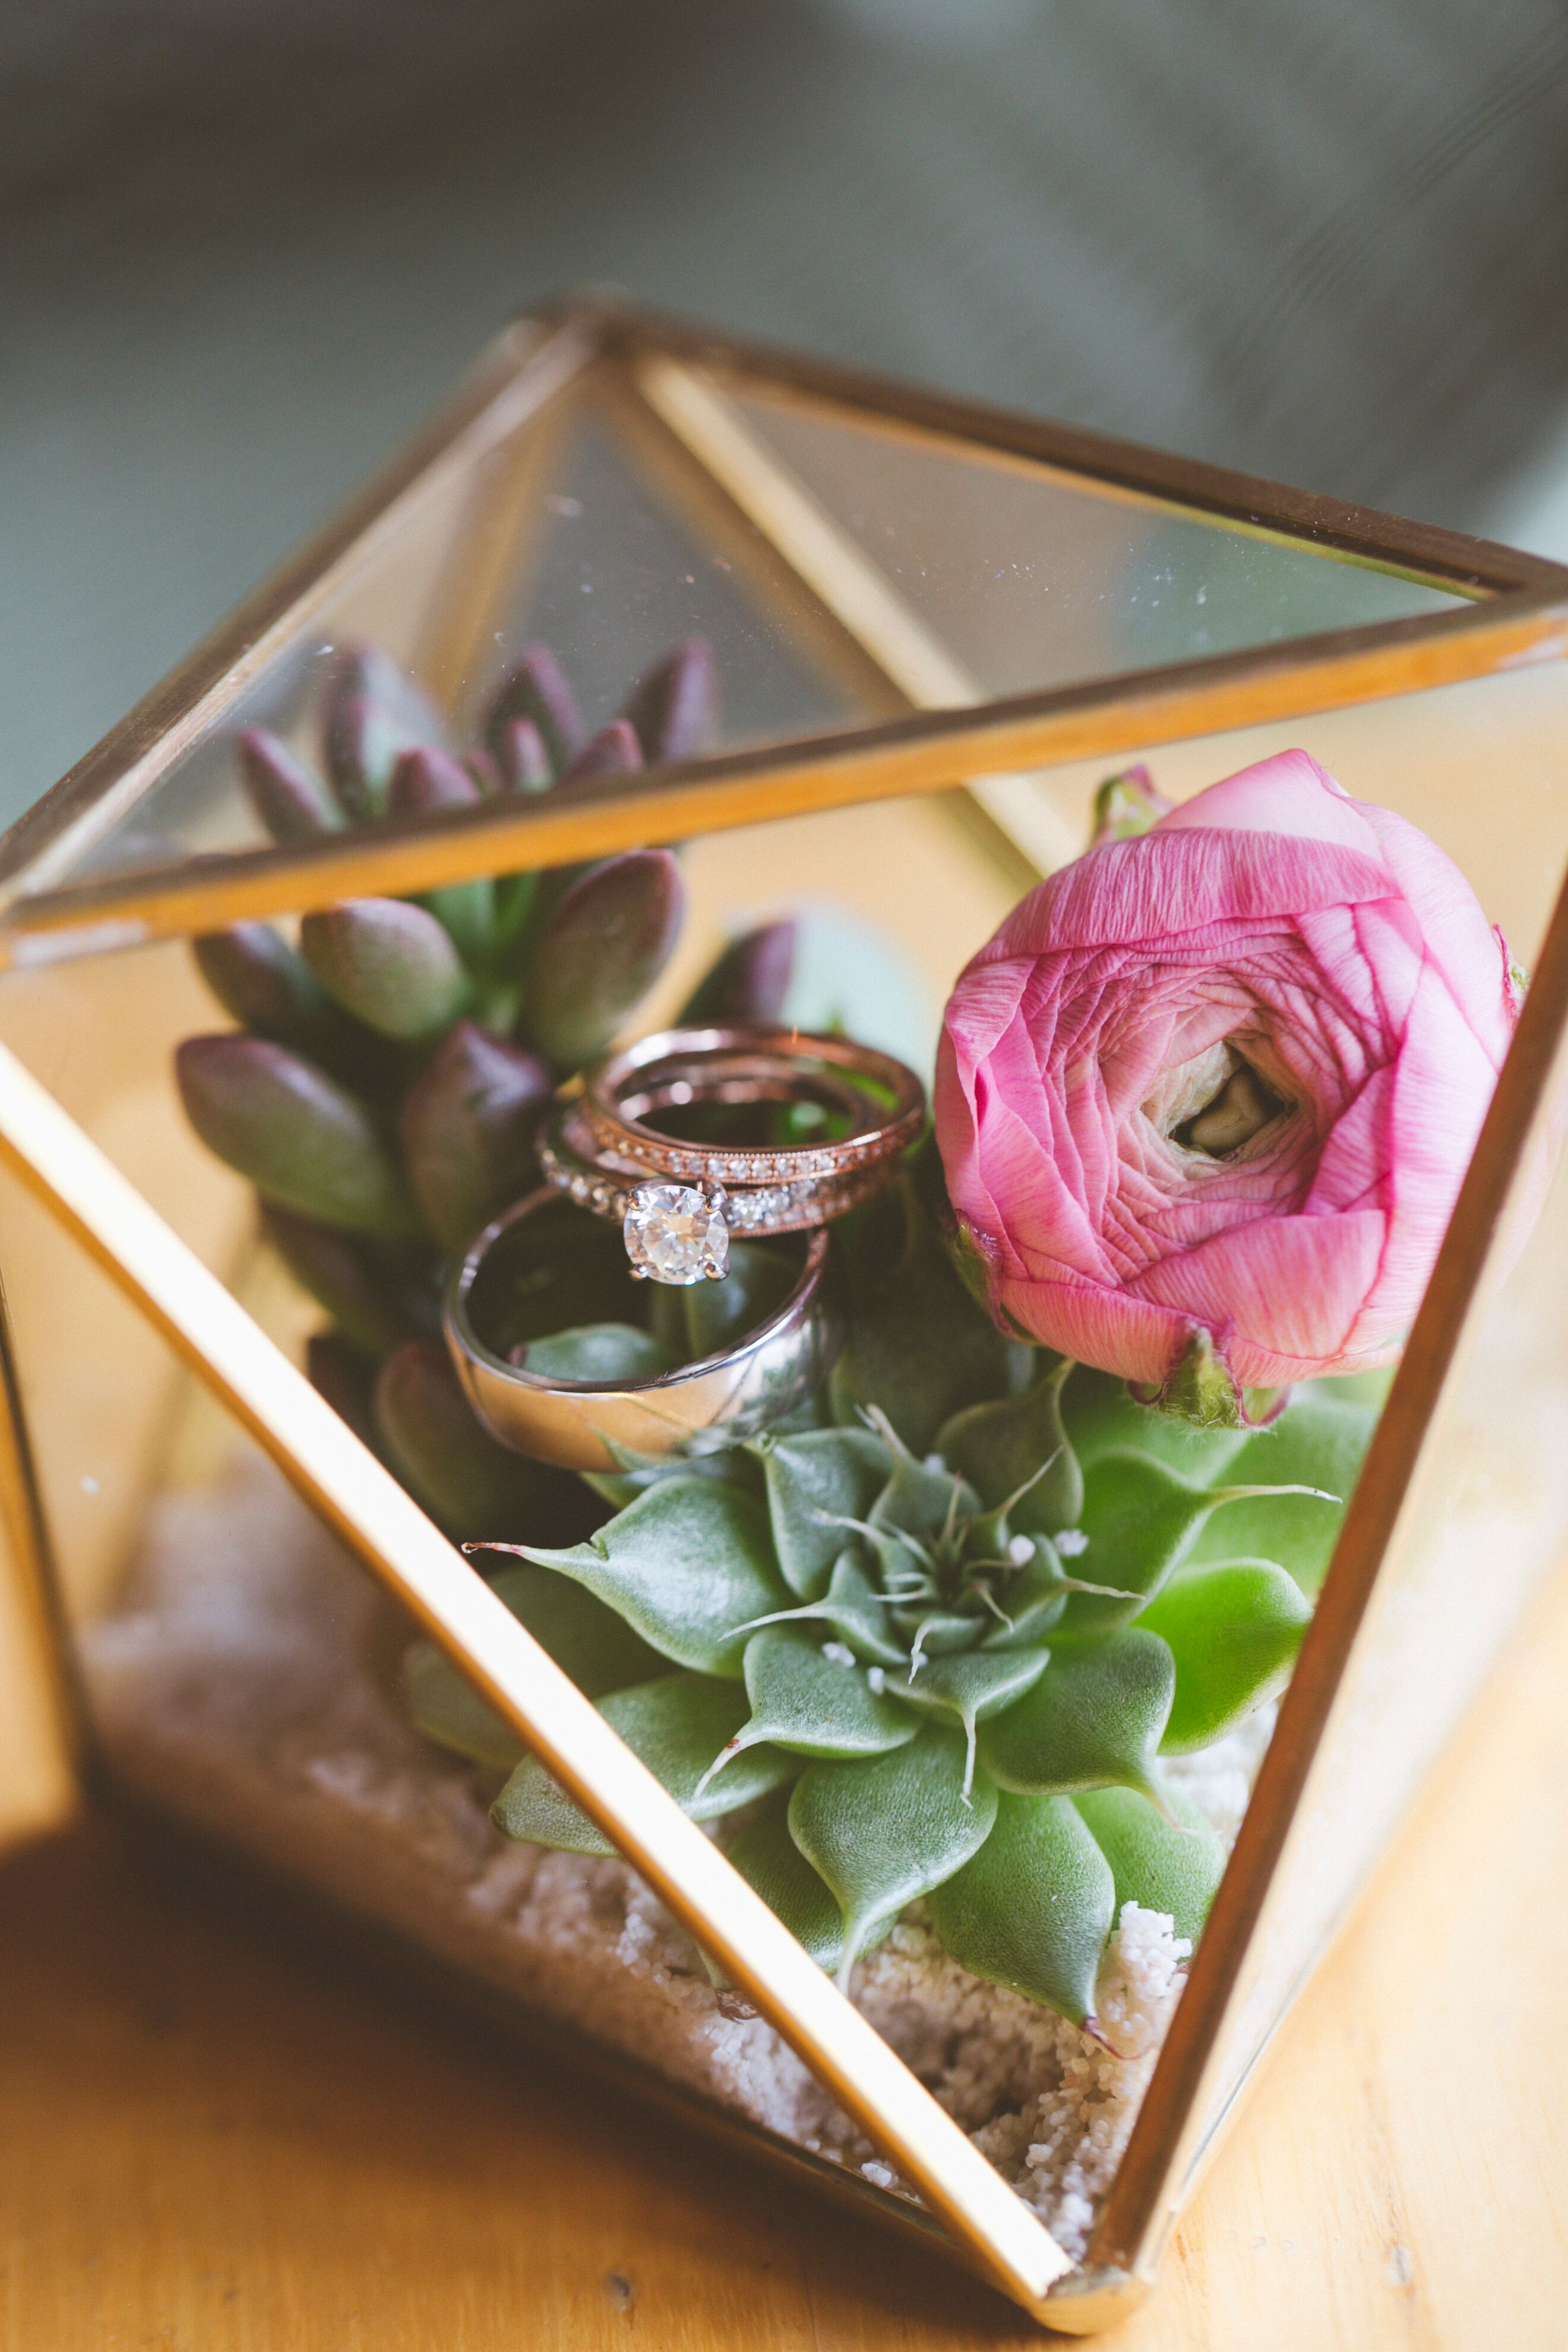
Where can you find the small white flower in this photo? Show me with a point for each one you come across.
(1072, 1542)
(877, 1679)
(1020, 1550)
(839, 1651)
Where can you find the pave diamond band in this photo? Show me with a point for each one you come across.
(678, 1201)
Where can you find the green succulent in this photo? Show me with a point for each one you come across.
(931, 1639)
(947, 1669)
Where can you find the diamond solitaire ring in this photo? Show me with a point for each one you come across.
(678, 1202)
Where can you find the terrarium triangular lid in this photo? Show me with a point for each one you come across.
(893, 592)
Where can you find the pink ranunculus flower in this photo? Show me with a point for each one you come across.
(1225, 1075)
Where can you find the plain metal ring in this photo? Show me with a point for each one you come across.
(595, 1425)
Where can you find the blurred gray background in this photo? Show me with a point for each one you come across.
(247, 243)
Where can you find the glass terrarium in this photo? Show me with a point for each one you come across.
(865, 659)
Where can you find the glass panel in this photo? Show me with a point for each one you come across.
(1032, 578)
(550, 536)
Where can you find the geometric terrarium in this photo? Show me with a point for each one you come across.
(902, 1632)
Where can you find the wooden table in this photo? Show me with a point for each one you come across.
(211, 2142)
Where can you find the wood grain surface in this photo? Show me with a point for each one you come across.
(213, 2139)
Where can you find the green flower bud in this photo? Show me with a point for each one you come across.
(305, 1142)
(674, 706)
(466, 1126)
(604, 943)
(390, 964)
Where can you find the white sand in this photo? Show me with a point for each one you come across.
(237, 1686)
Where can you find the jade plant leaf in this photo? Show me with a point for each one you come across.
(886, 1829)
(674, 1725)
(768, 1858)
(378, 1293)
(473, 1486)
(1018, 1446)
(466, 1126)
(1034, 1907)
(1162, 1868)
(1094, 1719)
(688, 1565)
(814, 1483)
(814, 1705)
(972, 1685)
(602, 945)
(389, 963)
(1320, 1440)
(259, 978)
(588, 1641)
(1234, 1630)
(605, 1352)
(304, 1141)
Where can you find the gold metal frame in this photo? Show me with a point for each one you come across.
(1519, 613)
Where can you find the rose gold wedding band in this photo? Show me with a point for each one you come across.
(746, 1062)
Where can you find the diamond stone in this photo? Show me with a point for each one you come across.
(673, 1233)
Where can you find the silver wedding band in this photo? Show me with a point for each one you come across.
(603, 1425)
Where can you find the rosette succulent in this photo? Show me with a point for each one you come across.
(935, 1645)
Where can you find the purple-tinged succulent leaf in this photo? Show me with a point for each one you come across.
(379, 1294)
(467, 1128)
(287, 797)
(750, 980)
(256, 976)
(615, 750)
(520, 760)
(365, 741)
(426, 778)
(604, 944)
(535, 688)
(305, 1142)
(473, 1486)
(390, 964)
(675, 705)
